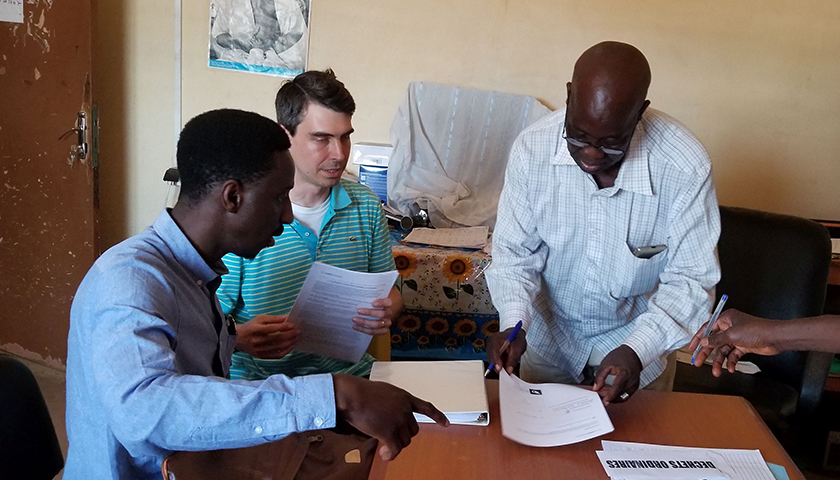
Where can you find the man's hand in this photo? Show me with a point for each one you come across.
(625, 365)
(382, 411)
(383, 311)
(734, 335)
(267, 336)
(510, 357)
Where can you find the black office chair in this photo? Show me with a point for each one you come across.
(28, 444)
(773, 266)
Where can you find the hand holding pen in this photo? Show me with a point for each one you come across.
(695, 341)
(513, 346)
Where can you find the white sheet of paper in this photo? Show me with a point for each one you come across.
(667, 464)
(550, 414)
(324, 310)
(742, 366)
(742, 464)
(11, 11)
(455, 387)
(466, 237)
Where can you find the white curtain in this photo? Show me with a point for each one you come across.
(451, 146)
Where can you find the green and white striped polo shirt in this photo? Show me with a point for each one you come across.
(354, 235)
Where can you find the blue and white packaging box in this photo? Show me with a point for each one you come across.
(372, 160)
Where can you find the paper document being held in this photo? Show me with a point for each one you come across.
(550, 414)
(456, 388)
(326, 305)
(466, 237)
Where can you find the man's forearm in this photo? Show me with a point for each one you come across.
(821, 334)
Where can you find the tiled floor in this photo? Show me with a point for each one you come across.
(52, 386)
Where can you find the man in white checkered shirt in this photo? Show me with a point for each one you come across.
(605, 240)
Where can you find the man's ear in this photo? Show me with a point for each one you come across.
(285, 130)
(644, 107)
(232, 195)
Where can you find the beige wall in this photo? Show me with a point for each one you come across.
(755, 80)
(134, 86)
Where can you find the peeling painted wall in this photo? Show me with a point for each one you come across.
(47, 216)
(34, 27)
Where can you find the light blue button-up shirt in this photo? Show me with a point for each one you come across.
(147, 343)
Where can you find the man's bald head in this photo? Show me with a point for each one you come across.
(605, 100)
(610, 78)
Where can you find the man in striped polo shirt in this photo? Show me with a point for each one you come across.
(336, 222)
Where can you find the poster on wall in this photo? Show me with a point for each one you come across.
(262, 36)
(11, 11)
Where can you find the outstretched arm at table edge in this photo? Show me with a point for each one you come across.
(149, 404)
(737, 333)
(382, 411)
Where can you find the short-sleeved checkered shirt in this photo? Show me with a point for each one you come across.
(562, 248)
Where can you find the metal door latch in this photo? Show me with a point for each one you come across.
(80, 149)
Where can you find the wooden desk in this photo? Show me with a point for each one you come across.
(682, 419)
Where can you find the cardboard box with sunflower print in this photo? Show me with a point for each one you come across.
(448, 312)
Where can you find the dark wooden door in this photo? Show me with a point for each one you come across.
(48, 197)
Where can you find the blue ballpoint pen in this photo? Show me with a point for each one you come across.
(711, 324)
(506, 344)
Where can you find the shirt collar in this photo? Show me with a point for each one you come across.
(634, 174)
(339, 198)
(184, 252)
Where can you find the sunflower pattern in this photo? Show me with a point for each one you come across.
(457, 268)
(490, 328)
(443, 280)
(448, 312)
(441, 335)
(437, 326)
(408, 323)
(465, 327)
(406, 264)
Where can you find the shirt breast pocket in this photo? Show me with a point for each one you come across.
(632, 276)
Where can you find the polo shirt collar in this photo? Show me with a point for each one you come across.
(339, 198)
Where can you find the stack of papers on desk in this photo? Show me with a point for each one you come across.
(627, 461)
(466, 237)
(456, 388)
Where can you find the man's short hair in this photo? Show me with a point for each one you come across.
(221, 145)
(312, 86)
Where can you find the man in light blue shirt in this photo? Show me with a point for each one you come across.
(149, 349)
